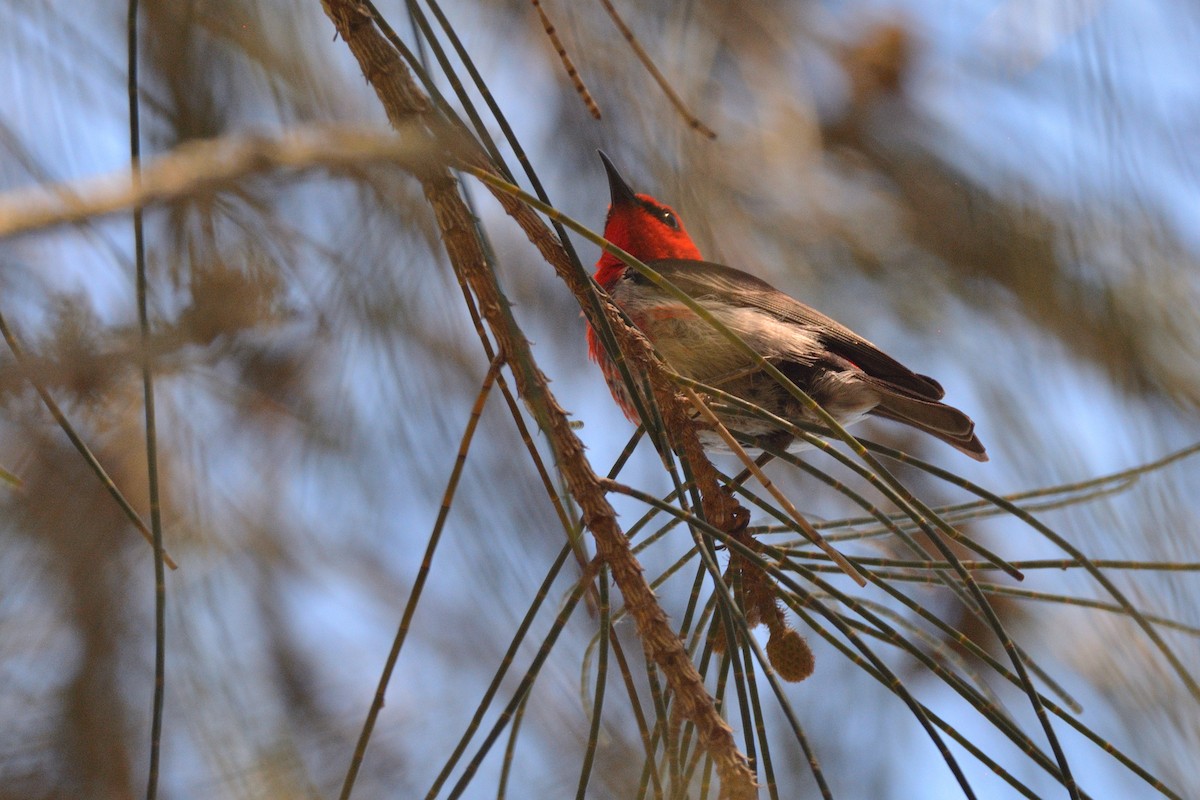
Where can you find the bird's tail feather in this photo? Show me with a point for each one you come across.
(937, 419)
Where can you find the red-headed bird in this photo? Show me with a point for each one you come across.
(843, 372)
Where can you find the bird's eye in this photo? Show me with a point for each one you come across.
(671, 221)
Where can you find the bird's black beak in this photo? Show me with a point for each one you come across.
(617, 187)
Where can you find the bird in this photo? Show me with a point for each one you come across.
(848, 376)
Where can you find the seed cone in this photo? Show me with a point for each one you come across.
(790, 655)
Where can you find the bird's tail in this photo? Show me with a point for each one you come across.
(937, 419)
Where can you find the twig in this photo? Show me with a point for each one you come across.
(692, 120)
(77, 441)
(569, 65)
(156, 529)
(206, 167)
(769, 485)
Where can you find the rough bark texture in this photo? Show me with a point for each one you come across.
(403, 100)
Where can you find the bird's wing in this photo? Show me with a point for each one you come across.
(706, 280)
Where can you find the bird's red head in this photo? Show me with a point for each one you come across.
(642, 227)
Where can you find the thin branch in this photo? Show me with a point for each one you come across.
(77, 441)
(160, 578)
(569, 65)
(769, 485)
(692, 120)
(205, 167)
(418, 587)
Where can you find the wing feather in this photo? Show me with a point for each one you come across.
(704, 279)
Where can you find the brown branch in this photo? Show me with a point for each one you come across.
(203, 168)
(569, 65)
(803, 524)
(403, 101)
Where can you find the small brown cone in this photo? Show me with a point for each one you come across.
(790, 655)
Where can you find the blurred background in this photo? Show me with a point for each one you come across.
(1002, 193)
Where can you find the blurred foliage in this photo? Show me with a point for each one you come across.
(1005, 197)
